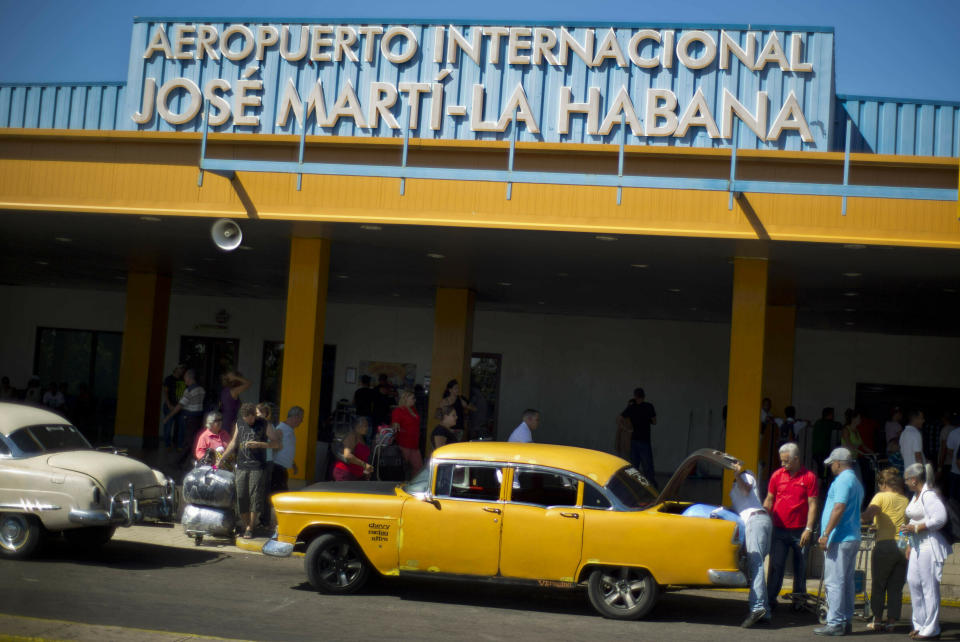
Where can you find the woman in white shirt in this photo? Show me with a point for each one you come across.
(927, 552)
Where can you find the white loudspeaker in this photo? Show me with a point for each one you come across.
(226, 234)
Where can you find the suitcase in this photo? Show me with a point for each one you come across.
(202, 520)
(210, 487)
(388, 463)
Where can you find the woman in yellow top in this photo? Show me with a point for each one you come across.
(889, 564)
(851, 440)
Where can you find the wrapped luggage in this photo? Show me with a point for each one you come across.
(208, 521)
(210, 487)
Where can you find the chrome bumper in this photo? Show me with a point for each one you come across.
(275, 548)
(124, 508)
(726, 578)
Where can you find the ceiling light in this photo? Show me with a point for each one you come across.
(854, 246)
(541, 302)
(849, 309)
(504, 283)
(395, 294)
(852, 274)
(372, 228)
(343, 276)
(189, 269)
(674, 290)
(435, 255)
(639, 265)
(151, 219)
(245, 247)
(693, 309)
(849, 323)
(41, 263)
(63, 239)
(604, 237)
(851, 294)
(950, 290)
(562, 274)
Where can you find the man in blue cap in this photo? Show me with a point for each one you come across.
(840, 540)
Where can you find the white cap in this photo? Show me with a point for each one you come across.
(839, 454)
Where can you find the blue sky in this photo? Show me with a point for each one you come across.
(883, 47)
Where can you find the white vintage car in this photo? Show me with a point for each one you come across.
(52, 481)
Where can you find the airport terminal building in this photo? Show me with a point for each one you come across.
(553, 214)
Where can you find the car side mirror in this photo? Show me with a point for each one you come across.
(430, 499)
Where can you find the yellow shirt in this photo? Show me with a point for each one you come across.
(891, 517)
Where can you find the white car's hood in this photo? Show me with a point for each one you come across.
(114, 472)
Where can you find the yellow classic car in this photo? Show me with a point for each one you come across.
(551, 516)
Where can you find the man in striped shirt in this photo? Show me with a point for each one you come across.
(190, 407)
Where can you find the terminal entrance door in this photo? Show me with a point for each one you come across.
(210, 357)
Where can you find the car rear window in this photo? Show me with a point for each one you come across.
(627, 487)
(33, 440)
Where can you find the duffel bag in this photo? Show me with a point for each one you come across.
(211, 487)
(208, 521)
(388, 463)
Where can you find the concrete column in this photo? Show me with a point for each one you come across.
(303, 343)
(452, 346)
(141, 360)
(745, 381)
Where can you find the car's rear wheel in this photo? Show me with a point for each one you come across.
(336, 565)
(19, 535)
(622, 593)
(89, 537)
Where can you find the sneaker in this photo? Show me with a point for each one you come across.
(753, 618)
(831, 630)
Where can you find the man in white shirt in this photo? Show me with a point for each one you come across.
(911, 440)
(950, 451)
(524, 432)
(758, 528)
(283, 456)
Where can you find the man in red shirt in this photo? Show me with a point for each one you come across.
(792, 501)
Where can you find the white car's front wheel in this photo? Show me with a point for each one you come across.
(19, 535)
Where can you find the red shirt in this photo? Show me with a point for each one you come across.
(409, 421)
(790, 496)
(209, 440)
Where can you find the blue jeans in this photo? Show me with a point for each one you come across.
(167, 425)
(839, 565)
(757, 543)
(641, 456)
(784, 540)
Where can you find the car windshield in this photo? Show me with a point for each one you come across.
(34, 440)
(631, 489)
(420, 483)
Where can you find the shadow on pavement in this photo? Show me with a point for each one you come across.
(125, 555)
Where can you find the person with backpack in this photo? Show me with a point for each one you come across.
(927, 551)
(888, 566)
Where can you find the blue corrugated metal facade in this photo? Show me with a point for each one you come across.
(880, 125)
(897, 126)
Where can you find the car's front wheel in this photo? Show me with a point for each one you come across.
(19, 535)
(335, 564)
(622, 593)
(89, 537)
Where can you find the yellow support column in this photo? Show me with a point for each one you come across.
(745, 381)
(141, 360)
(303, 343)
(452, 347)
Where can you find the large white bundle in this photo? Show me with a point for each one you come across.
(209, 521)
(208, 486)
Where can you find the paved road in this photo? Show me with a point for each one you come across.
(249, 596)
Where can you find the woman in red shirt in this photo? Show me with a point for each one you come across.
(406, 422)
(352, 463)
(212, 441)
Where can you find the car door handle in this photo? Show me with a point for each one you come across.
(571, 515)
(492, 510)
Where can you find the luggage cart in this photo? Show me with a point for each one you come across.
(211, 513)
(868, 539)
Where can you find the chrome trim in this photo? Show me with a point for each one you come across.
(78, 516)
(28, 506)
(275, 548)
(726, 578)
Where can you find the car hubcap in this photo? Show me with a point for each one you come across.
(13, 532)
(339, 565)
(624, 590)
